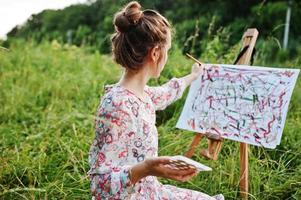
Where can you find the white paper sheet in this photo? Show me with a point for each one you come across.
(242, 103)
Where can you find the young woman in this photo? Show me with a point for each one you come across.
(124, 155)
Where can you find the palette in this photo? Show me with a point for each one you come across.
(182, 162)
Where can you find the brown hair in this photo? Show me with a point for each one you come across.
(136, 33)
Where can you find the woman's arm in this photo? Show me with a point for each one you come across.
(164, 95)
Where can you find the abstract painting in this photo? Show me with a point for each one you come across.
(242, 103)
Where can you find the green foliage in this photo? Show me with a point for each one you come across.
(49, 95)
(195, 21)
(270, 11)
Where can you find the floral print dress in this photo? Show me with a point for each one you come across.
(126, 135)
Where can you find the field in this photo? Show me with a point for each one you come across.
(49, 94)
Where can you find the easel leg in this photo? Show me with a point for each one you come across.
(244, 172)
(196, 140)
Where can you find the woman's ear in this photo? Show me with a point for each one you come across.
(155, 53)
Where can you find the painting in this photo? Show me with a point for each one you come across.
(242, 103)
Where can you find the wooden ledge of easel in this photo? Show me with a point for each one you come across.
(214, 146)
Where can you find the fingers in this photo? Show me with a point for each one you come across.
(196, 65)
(182, 178)
(162, 160)
(153, 162)
(167, 168)
(172, 170)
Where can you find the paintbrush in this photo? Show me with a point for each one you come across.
(194, 59)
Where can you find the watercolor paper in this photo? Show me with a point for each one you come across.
(242, 103)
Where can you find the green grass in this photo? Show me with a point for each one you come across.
(48, 97)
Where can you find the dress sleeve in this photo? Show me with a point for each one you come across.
(164, 95)
(109, 173)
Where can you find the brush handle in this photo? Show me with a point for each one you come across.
(190, 56)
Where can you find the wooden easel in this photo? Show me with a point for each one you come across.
(214, 146)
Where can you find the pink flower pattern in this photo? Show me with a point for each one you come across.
(125, 135)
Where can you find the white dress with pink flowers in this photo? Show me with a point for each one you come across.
(126, 134)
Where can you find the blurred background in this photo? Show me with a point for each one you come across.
(55, 60)
(197, 22)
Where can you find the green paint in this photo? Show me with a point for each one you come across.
(247, 99)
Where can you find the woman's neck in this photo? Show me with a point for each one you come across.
(135, 82)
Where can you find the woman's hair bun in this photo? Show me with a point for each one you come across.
(137, 32)
(129, 16)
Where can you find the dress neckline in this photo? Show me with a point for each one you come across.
(131, 92)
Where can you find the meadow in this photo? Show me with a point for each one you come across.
(49, 93)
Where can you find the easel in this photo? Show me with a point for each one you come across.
(214, 145)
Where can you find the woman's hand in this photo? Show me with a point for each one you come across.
(159, 167)
(196, 70)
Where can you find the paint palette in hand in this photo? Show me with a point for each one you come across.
(182, 162)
